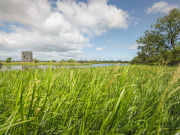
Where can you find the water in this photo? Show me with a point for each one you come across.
(103, 65)
(21, 67)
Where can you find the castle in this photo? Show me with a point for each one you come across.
(26, 56)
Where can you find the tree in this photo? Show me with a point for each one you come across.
(152, 43)
(62, 61)
(8, 60)
(169, 27)
(71, 61)
(36, 61)
(162, 41)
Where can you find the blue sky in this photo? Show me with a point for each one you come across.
(81, 30)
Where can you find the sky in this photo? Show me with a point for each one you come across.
(77, 29)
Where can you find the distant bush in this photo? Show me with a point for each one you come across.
(54, 61)
(1, 64)
(62, 61)
(71, 61)
(36, 61)
(8, 60)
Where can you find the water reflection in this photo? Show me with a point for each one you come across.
(20, 67)
(29, 67)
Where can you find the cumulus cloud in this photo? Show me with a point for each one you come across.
(94, 17)
(133, 47)
(55, 31)
(40, 41)
(162, 7)
(27, 12)
(101, 48)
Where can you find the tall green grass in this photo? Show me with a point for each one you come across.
(101, 100)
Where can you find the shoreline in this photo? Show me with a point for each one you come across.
(51, 63)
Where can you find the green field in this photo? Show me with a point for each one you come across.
(113, 100)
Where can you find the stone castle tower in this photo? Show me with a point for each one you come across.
(26, 56)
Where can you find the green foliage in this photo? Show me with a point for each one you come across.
(94, 61)
(169, 27)
(36, 61)
(62, 61)
(103, 100)
(102, 61)
(8, 60)
(173, 57)
(71, 61)
(1, 63)
(161, 43)
(137, 60)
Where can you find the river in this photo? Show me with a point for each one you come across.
(21, 67)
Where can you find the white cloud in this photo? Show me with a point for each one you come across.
(55, 31)
(94, 17)
(39, 41)
(162, 7)
(101, 49)
(133, 47)
(26, 12)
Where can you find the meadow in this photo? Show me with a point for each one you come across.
(115, 100)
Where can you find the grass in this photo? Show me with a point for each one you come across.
(103, 100)
(43, 63)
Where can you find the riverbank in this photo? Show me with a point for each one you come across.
(52, 63)
(22, 67)
(44, 63)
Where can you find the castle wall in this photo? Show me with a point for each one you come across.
(26, 56)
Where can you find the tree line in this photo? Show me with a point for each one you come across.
(9, 59)
(161, 44)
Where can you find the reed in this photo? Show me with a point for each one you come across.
(94, 100)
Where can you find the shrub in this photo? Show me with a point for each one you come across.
(36, 61)
(8, 60)
(71, 61)
(62, 61)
